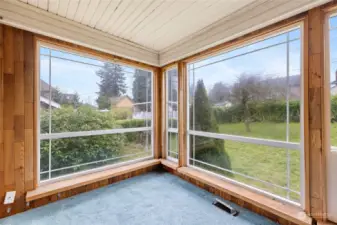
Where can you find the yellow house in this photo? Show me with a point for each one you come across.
(121, 102)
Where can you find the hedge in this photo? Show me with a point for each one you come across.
(72, 151)
(273, 111)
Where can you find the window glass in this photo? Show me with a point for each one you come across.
(172, 113)
(80, 94)
(252, 92)
(333, 81)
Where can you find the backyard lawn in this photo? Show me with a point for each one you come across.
(264, 162)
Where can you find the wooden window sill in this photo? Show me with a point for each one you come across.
(285, 211)
(170, 164)
(64, 185)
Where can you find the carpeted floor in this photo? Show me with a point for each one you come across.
(151, 199)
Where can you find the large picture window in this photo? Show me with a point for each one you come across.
(92, 113)
(172, 113)
(244, 115)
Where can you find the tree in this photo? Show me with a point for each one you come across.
(219, 93)
(208, 150)
(112, 84)
(141, 88)
(246, 90)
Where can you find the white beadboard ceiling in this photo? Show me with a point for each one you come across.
(152, 31)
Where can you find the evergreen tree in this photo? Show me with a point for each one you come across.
(112, 84)
(209, 150)
(141, 88)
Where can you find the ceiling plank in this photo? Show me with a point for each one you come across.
(141, 9)
(90, 12)
(125, 10)
(120, 12)
(72, 9)
(212, 14)
(33, 2)
(53, 6)
(102, 7)
(153, 16)
(63, 7)
(102, 22)
(174, 10)
(43, 4)
(149, 10)
(82, 7)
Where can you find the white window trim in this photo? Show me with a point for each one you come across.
(40, 136)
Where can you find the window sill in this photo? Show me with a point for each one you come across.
(170, 164)
(65, 185)
(279, 209)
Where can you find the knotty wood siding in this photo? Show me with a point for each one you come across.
(17, 155)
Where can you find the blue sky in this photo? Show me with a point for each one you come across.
(71, 77)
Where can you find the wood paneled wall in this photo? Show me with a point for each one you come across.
(16, 115)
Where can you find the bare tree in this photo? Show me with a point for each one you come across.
(219, 93)
(247, 89)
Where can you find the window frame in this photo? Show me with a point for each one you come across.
(39, 137)
(300, 146)
(167, 102)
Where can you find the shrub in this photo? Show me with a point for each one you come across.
(270, 111)
(209, 150)
(77, 150)
(122, 113)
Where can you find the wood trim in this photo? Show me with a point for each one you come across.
(305, 46)
(182, 112)
(63, 45)
(65, 185)
(157, 100)
(317, 155)
(272, 209)
(330, 7)
(164, 114)
(169, 164)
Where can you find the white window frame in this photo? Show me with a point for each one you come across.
(273, 143)
(171, 130)
(39, 45)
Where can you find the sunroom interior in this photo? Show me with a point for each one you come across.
(168, 112)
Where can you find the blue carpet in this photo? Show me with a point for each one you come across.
(151, 199)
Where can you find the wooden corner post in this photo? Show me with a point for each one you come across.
(182, 113)
(157, 121)
(316, 162)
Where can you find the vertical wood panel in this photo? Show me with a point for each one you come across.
(164, 115)
(2, 155)
(317, 171)
(182, 113)
(157, 118)
(8, 50)
(16, 115)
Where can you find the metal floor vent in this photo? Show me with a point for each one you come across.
(226, 207)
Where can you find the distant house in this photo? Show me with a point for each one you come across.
(44, 96)
(46, 89)
(121, 102)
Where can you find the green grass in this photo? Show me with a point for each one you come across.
(264, 162)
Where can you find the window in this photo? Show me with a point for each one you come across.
(172, 113)
(92, 113)
(333, 80)
(244, 115)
